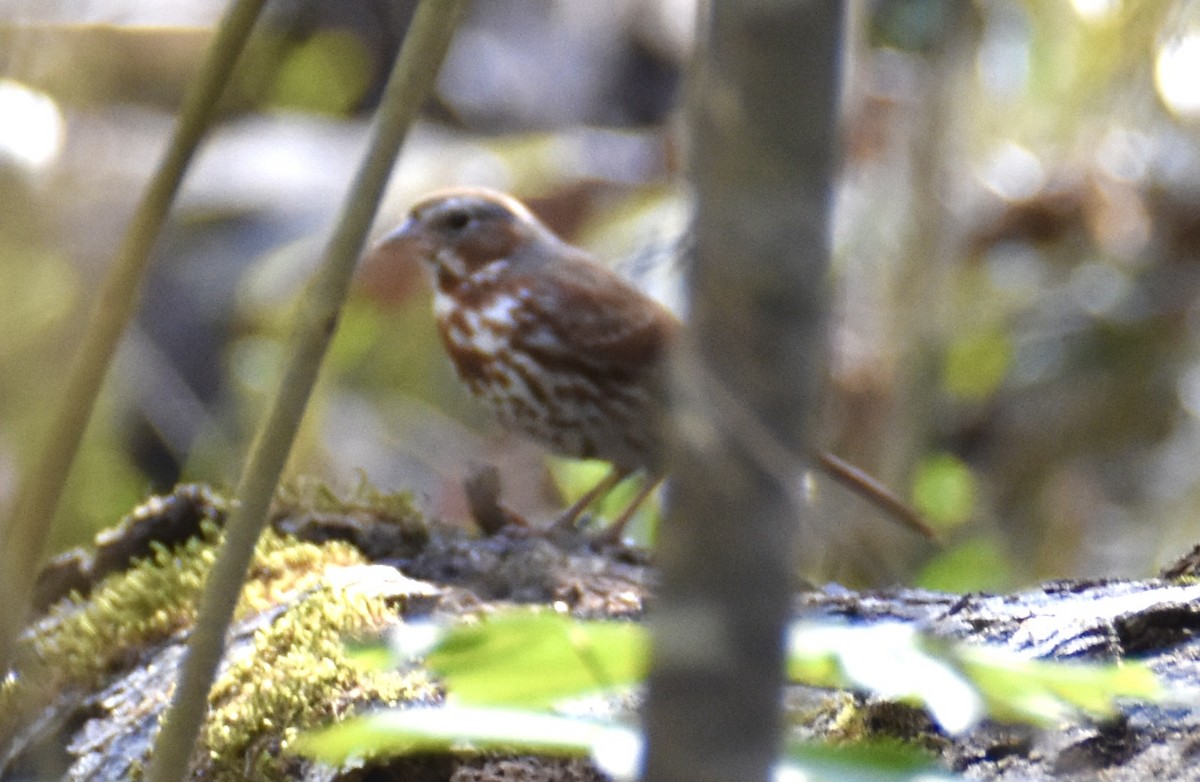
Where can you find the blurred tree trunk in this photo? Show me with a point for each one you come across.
(764, 115)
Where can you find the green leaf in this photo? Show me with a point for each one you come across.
(889, 660)
(536, 658)
(868, 761)
(463, 728)
(1044, 692)
(957, 683)
(616, 749)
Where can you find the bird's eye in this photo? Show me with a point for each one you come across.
(457, 220)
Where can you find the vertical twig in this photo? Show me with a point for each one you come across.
(28, 529)
(764, 116)
(411, 79)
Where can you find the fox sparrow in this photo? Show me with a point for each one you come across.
(559, 347)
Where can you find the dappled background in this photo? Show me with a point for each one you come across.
(1015, 335)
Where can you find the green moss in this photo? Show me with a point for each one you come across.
(282, 564)
(849, 719)
(293, 676)
(296, 677)
(83, 639)
(832, 713)
(364, 499)
(87, 638)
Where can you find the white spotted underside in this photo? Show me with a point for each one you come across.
(566, 401)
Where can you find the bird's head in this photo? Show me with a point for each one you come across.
(468, 235)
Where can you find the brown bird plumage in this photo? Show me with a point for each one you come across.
(558, 346)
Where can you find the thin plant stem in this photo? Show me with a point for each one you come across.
(411, 79)
(28, 528)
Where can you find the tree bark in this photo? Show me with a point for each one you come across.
(764, 115)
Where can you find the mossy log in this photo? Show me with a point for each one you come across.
(97, 666)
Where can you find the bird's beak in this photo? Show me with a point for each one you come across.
(406, 244)
(389, 268)
(407, 240)
(405, 229)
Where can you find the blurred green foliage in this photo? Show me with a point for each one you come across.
(1016, 251)
(978, 564)
(328, 74)
(511, 677)
(944, 490)
(574, 478)
(975, 365)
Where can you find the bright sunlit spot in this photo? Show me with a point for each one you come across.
(1003, 58)
(1095, 10)
(32, 131)
(1013, 172)
(1175, 71)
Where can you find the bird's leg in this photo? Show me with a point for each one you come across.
(612, 533)
(571, 515)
